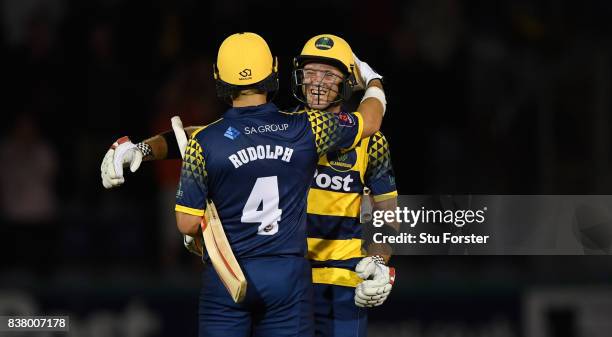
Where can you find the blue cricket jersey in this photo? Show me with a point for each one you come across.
(256, 164)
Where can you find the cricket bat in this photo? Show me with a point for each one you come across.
(221, 255)
(365, 211)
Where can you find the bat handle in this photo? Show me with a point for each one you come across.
(179, 133)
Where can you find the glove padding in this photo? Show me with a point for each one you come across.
(378, 282)
(122, 152)
(365, 73)
(193, 245)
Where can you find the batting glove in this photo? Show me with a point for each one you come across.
(365, 73)
(193, 245)
(122, 152)
(378, 282)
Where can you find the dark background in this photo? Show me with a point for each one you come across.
(485, 97)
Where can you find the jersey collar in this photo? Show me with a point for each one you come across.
(304, 107)
(250, 110)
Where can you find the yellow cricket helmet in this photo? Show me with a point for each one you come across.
(244, 61)
(329, 49)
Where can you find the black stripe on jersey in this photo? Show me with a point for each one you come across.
(346, 264)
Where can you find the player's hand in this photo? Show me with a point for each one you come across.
(179, 133)
(378, 282)
(365, 73)
(122, 152)
(193, 245)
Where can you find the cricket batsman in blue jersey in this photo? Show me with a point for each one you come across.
(256, 164)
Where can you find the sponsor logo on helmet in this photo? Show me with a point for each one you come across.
(245, 74)
(324, 43)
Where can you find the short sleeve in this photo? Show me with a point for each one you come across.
(333, 131)
(379, 176)
(193, 188)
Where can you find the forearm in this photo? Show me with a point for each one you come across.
(371, 110)
(188, 224)
(159, 148)
(164, 146)
(384, 249)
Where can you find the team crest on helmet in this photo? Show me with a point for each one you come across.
(324, 43)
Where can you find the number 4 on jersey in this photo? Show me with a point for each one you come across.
(262, 206)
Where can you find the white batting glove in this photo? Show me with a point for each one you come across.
(365, 73)
(378, 282)
(193, 245)
(179, 133)
(122, 152)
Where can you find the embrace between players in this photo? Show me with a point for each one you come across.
(289, 197)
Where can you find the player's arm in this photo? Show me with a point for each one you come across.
(188, 224)
(167, 145)
(372, 108)
(378, 276)
(374, 103)
(380, 179)
(192, 190)
(384, 250)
